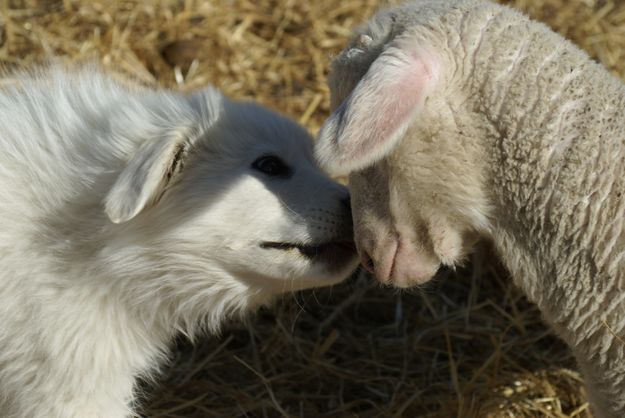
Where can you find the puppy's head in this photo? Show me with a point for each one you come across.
(235, 193)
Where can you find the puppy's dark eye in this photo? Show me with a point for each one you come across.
(272, 166)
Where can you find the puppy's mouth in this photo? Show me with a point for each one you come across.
(337, 250)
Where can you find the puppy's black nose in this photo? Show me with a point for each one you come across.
(346, 201)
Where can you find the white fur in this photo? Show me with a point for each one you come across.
(519, 140)
(128, 216)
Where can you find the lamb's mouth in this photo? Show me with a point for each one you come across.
(336, 250)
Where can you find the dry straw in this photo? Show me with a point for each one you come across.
(467, 345)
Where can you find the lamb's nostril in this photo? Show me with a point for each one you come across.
(367, 262)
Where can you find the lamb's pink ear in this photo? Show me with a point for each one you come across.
(370, 122)
(144, 179)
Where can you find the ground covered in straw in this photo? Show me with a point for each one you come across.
(467, 345)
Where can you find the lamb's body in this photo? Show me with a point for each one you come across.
(87, 305)
(520, 139)
(558, 172)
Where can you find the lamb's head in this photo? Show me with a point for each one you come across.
(401, 130)
(229, 197)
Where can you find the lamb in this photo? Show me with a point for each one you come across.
(464, 119)
(129, 216)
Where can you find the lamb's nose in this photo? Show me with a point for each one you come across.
(367, 262)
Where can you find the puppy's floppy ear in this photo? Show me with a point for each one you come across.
(370, 122)
(153, 166)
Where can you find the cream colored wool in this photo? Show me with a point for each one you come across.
(464, 119)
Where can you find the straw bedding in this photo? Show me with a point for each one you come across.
(467, 345)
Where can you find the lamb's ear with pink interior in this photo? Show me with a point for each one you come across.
(375, 116)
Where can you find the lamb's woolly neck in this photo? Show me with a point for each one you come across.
(557, 157)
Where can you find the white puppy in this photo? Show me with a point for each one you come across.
(129, 216)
